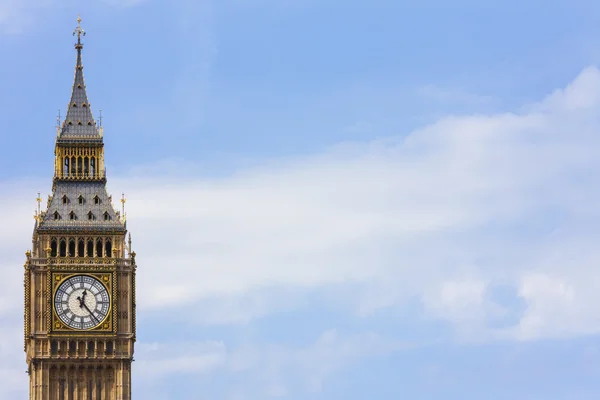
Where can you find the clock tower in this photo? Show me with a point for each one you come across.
(80, 272)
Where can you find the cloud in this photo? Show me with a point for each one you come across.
(436, 214)
(436, 221)
(265, 370)
(15, 15)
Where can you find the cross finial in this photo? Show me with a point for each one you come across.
(79, 30)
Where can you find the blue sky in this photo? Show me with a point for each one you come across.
(353, 200)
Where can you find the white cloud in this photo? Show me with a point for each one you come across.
(440, 215)
(267, 370)
(397, 218)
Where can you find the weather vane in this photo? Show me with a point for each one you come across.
(79, 30)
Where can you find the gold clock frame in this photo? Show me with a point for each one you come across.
(107, 326)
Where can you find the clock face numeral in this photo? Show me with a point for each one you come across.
(82, 302)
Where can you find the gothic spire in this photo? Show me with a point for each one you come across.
(79, 122)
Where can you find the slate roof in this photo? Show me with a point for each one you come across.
(79, 123)
(88, 190)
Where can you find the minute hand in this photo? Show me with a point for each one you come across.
(91, 315)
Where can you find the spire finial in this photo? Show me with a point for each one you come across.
(79, 30)
(123, 200)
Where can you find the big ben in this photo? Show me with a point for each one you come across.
(80, 272)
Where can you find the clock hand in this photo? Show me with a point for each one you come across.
(91, 315)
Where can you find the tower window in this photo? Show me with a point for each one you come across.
(65, 199)
(81, 199)
(71, 248)
(83, 105)
(56, 215)
(99, 248)
(81, 248)
(91, 216)
(63, 248)
(79, 122)
(90, 248)
(106, 216)
(72, 215)
(74, 104)
(96, 199)
(53, 248)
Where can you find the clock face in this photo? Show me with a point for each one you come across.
(82, 302)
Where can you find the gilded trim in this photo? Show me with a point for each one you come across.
(55, 279)
(27, 297)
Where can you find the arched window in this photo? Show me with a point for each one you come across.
(81, 248)
(108, 248)
(91, 216)
(93, 166)
(86, 166)
(72, 248)
(54, 347)
(106, 216)
(99, 248)
(81, 200)
(90, 248)
(72, 215)
(53, 247)
(79, 166)
(65, 199)
(73, 166)
(97, 199)
(63, 248)
(56, 215)
(66, 167)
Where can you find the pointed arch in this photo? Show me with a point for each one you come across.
(99, 249)
(63, 247)
(81, 248)
(90, 248)
(71, 247)
(93, 166)
(108, 246)
(53, 247)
